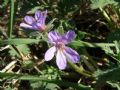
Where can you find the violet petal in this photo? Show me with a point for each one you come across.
(41, 21)
(61, 60)
(71, 54)
(42, 17)
(50, 53)
(26, 25)
(53, 36)
(45, 14)
(37, 14)
(35, 26)
(68, 37)
(29, 20)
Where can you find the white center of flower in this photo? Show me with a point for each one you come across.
(60, 45)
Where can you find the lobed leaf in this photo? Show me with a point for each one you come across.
(108, 75)
(101, 3)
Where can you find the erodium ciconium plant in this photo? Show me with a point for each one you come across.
(60, 50)
(37, 22)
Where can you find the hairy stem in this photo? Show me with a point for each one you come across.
(80, 70)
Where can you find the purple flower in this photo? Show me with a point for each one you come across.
(37, 22)
(62, 52)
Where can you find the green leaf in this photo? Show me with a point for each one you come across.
(108, 75)
(39, 85)
(60, 28)
(35, 35)
(52, 73)
(81, 35)
(32, 11)
(114, 84)
(49, 72)
(8, 88)
(18, 41)
(43, 79)
(101, 3)
(51, 86)
(79, 43)
(114, 53)
(108, 50)
(117, 47)
(50, 25)
(118, 56)
(27, 64)
(22, 48)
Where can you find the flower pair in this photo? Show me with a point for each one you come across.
(59, 42)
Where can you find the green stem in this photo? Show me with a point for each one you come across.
(80, 70)
(93, 66)
(111, 24)
(87, 63)
(98, 44)
(11, 18)
(105, 15)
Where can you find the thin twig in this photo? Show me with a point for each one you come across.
(9, 66)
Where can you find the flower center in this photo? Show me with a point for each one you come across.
(43, 27)
(60, 45)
